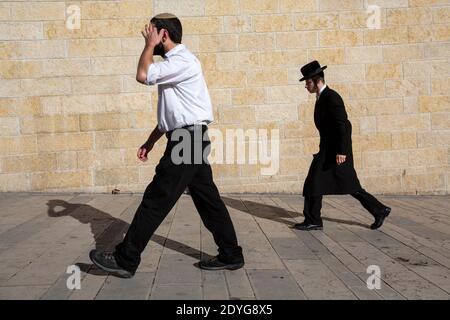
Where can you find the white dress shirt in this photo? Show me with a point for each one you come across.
(320, 92)
(183, 97)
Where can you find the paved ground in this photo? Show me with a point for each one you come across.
(42, 234)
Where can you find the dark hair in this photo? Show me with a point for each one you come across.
(319, 76)
(172, 25)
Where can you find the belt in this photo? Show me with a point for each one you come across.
(193, 126)
(190, 128)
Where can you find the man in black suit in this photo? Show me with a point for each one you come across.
(332, 170)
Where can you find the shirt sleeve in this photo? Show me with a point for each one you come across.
(170, 71)
(341, 125)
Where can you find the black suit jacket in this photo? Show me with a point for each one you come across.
(332, 122)
(325, 176)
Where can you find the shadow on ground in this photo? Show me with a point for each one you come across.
(108, 231)
(275, 213)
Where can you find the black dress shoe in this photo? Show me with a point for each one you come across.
(106, 261)
(307, 226)
(216, 264)
(380, 219)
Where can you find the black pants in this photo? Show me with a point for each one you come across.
(168, 184)
(313, 205)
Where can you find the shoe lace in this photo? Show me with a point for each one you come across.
(109, 256)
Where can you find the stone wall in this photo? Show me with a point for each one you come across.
(72, 115)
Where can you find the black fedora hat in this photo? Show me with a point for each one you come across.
(311, 69)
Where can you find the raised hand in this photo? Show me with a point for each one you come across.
(151, 35)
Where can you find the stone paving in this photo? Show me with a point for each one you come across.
(42, 234)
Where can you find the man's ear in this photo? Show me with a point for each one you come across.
(165, 35)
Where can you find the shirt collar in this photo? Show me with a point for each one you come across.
(323, 88)
(320, 92)
(174, 50)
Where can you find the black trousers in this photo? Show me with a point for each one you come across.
(168, 184)
(313, 205)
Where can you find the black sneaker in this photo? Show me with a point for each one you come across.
(307, 226)
(106, 261)
(216, 264)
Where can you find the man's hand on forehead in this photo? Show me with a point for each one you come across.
(151, 35)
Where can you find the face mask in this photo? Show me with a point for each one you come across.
(159, 50)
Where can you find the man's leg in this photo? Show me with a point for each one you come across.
(215, 215)
(311, 211)
(375, 207)
(369, 202)
(160, 196)
(307, 209)
(313, 206)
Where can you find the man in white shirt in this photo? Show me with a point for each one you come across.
(183, 105)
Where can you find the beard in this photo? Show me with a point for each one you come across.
(314, 88)
(159, 50)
